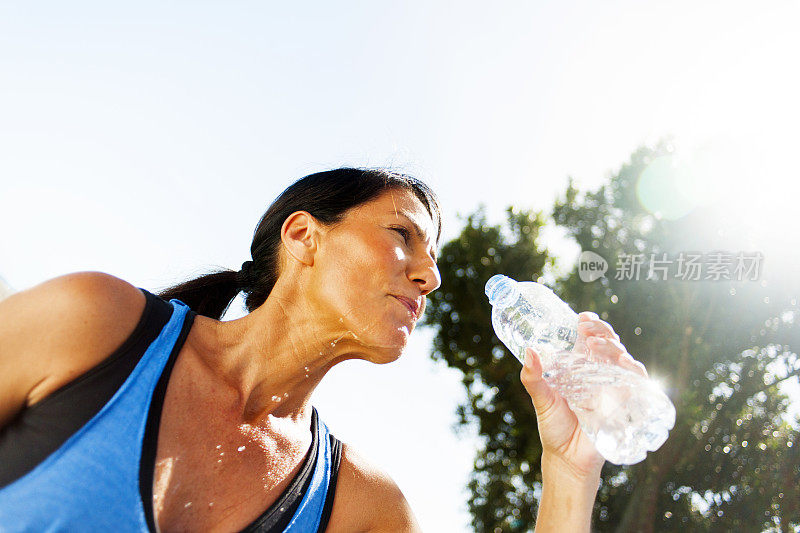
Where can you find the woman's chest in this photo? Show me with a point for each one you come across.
(214, 473)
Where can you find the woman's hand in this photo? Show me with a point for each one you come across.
(570, 461)
(558, 427)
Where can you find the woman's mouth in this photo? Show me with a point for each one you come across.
(411, 305)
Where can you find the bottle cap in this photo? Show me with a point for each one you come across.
(501, 290)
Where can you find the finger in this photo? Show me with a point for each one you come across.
(629, 363)
(541, 394)
(587, 315)
(638, 367)
(597, 327)
(605, 349)
(607, 346)
(613, 352)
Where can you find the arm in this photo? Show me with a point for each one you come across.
(570, 463)
(56, 331)
(567, 499)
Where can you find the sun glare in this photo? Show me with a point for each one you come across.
(749, 188)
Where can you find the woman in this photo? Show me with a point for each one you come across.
(123, 411)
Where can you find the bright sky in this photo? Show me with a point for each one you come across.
(146, 140)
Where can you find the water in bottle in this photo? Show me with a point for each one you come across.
(623, 413)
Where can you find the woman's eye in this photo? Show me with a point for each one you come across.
(403, 232)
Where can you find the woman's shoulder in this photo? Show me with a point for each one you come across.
(368, 499)
(59, 329)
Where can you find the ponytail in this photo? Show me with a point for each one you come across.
(209, 295)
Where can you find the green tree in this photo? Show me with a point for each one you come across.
(722, 346)
(507, 469)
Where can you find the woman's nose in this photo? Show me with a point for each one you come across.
(425, 273)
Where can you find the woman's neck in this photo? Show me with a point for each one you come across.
(273, 357)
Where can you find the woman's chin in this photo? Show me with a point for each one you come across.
(389, 350)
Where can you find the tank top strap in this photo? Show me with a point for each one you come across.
(308, 514)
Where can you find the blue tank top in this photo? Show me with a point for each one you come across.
(92, 482)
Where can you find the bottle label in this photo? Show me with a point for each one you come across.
(567, 335)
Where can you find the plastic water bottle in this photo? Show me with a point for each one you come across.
(623, 413)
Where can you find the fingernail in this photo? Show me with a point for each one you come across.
(528, 362)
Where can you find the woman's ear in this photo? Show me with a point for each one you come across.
(299, 236)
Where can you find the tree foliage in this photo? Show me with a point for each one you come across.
(722, 347)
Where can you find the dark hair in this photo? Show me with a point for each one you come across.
(327, 196)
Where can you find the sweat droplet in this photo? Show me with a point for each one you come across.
(187, 505)
(240, 449)
(219, 446)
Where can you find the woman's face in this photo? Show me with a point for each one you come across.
(373, 270)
